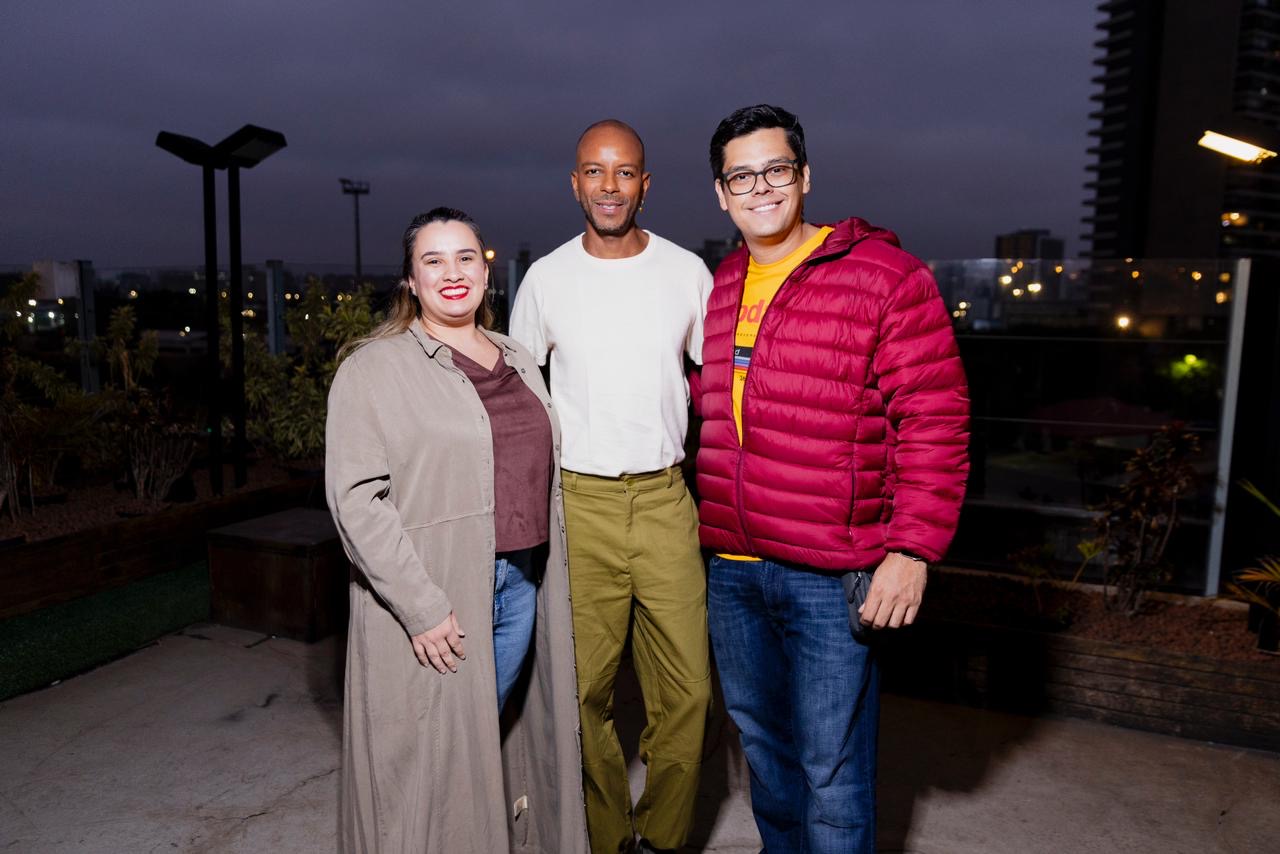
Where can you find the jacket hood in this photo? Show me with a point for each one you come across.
(848, 233)
(854, 230)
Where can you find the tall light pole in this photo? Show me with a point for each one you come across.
(356, 189)
(203, 155)
(243, 149)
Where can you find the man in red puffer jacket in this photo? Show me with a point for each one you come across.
(833, 443)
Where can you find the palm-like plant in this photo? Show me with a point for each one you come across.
(1254, 584)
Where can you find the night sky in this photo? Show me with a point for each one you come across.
(948, 121)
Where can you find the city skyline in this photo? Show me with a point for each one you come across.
(948, 125)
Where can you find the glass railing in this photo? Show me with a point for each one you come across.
(1072, 366)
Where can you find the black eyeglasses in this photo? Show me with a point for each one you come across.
(781, 174)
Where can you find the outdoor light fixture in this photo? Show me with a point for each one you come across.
(244, 149)
(355, 189)
(1233, 147)
(250, 145)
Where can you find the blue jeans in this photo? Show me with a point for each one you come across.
(515, 601)
(805, 695)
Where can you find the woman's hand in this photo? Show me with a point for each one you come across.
(437, 647)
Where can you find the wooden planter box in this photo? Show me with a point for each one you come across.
(1229, 702)
(282, 574)
(56, 570)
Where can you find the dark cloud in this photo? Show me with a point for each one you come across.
(947, 121)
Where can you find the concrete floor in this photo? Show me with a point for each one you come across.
(219, 740)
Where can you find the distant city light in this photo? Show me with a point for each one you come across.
(1006, 280)
(1196, 275)
(186, 329)
(962, 305)
(489, 254)
(224, 294)
(59, 300)
(1034, 287)
(1017, 292)
(1237, 148)
(1128, 260)
(50, 315)
(1058, 268)
(191, 291)
(133, 294)
(31, 302)
(1123, 321)
(1135, 274)
(1224, 277)
(1234, 218)
(249, 295)
(1190, 359)
(18, 313)
(1221, 296)
(288, 296)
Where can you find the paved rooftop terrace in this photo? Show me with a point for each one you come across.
(218, 740)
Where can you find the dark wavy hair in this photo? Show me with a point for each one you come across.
(749, 120)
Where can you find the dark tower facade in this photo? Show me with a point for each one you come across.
(1171, 69)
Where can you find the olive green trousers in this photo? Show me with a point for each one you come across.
(634, 563)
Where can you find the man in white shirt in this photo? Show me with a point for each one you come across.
(617, 309)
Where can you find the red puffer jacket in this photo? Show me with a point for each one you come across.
(854, 416)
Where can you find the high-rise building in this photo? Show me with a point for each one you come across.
(1170, 70)
(1028, 243)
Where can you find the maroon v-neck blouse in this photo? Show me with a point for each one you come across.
(521, 453)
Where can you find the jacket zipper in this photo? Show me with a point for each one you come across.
(737, 480)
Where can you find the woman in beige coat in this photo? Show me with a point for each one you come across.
(410, 470)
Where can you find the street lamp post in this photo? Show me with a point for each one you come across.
(356, 189)
(243, 149)
(203, 155)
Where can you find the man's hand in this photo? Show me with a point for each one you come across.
(436, 647)
(897, 588)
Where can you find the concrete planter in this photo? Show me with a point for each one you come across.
(43, 573)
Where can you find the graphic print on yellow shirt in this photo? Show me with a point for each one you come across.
(761, 286)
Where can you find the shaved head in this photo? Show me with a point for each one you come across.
(611, 125)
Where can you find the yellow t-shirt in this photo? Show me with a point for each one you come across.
(761, 286)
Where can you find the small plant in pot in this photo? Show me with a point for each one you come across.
(1133, 527)
(1260, 586)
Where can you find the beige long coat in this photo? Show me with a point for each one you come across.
(409, 479)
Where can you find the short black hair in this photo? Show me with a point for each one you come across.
(749, 120)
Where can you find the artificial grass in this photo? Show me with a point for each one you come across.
(54, 643)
